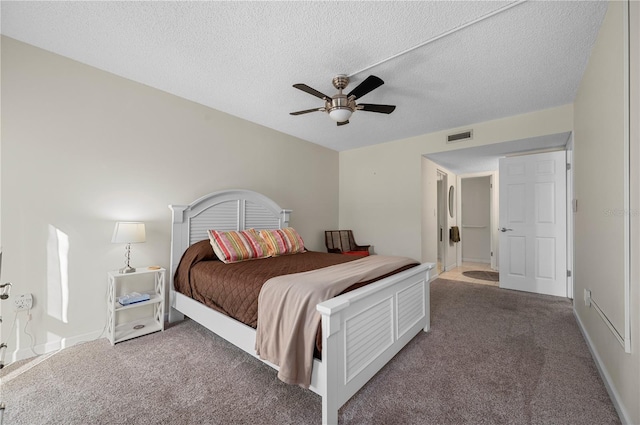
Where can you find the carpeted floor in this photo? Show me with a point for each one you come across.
(492, 357)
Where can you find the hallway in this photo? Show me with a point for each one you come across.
(457, 273)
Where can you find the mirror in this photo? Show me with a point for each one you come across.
(451, 201)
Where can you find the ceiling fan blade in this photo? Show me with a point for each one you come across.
(369, 84)
(316, 93)
(371, 107)
(343, 123)
(306, 111)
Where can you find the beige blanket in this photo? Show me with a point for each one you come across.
(287, 316)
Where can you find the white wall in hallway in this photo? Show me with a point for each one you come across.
(476, 219)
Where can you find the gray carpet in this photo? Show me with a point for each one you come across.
(492, 357)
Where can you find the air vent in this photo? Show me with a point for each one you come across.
(459, 137)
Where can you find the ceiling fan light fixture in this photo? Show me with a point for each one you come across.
(340, 114)
(340, 106)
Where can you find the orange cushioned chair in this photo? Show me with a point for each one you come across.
(342, 242)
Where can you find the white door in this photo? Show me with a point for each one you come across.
(532, 224)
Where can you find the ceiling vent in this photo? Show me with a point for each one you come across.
(459, 137)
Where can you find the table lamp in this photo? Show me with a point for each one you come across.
(128, 232)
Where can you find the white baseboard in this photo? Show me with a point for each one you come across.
(606, 378)
(52, 346)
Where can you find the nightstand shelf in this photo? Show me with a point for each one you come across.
(128, 330)
(133, 320)
(154, 298)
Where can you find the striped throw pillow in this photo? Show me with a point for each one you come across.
(282, 241)
(236, 246)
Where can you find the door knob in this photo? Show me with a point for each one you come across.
(504, 229)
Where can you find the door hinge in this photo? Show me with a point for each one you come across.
(492, 253)
(568, 166)
(568, 273)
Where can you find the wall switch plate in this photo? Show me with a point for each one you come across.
(587, 298)
(23, 302)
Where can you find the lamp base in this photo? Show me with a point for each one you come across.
(127, 269)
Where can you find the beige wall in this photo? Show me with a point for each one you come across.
(386, 198)
(598, 138)
(599, 155)
(633, 378)
(83, 148)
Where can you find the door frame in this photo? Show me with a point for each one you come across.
(571, 208)
(493, 213)
(442, 208)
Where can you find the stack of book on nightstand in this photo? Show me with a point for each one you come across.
(132, 298)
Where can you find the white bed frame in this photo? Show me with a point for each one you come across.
(361, 330)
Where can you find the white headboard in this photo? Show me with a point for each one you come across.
(225, 210)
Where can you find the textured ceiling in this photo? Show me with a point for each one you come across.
(243, 57)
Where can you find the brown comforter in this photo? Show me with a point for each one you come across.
(233, 289)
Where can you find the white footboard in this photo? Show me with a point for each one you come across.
(363, 329)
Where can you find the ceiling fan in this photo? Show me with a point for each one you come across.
(340, 106)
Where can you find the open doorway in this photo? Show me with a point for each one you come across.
(476, 218)
(476, 162)
(477, 212)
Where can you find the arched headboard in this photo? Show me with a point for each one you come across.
(235, 209)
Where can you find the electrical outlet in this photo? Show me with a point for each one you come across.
(587, 298)
(23, 302)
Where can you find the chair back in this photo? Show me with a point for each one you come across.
(342, 242)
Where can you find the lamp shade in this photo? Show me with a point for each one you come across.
(128, 232)
(340, 114)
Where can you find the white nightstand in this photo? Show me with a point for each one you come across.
(133, 320)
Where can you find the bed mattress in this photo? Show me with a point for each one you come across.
(233, 289)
